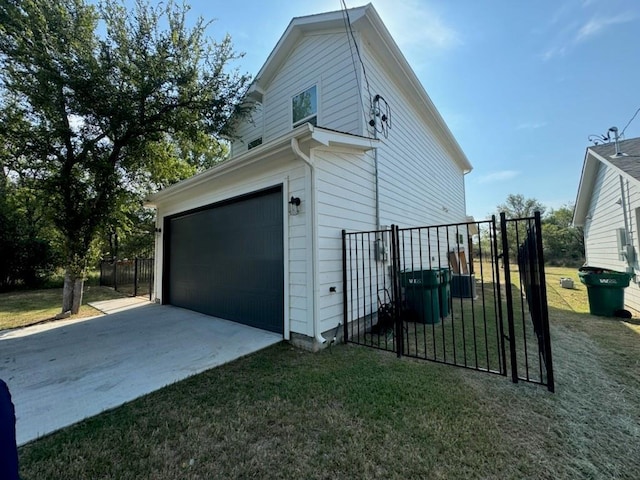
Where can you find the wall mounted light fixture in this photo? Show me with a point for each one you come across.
(294, 206)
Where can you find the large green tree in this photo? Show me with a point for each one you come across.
(563, 243)
(517, 206)
(97, 102)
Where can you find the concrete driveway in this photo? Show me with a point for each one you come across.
(61, 373)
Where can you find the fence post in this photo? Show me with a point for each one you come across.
(115, 274)
(152, 271)
(543, 304)
(496, 259)
(397, 291)
(101, 266)
(345, 310)
(508, 293)
(135, 277)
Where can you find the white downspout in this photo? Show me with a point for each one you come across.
(375, 165)
(295, 146)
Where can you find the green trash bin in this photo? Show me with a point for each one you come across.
(605, 289)
(422, 294)
(444, 292)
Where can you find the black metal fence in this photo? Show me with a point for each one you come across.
(436, 293)
(526, 290)
(131, 277)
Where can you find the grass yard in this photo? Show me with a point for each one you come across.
(23, 308)
(468, 333)
(354, 412)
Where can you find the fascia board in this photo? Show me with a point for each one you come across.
(585, 190)
(241, 161)
(336, 139)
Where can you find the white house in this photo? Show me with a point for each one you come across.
(608, 207)
(343, 136)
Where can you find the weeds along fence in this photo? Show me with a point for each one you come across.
(447, 294)
(131, 277)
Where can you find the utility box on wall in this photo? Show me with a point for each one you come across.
(621, 237)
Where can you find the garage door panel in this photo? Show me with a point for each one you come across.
(228, 261)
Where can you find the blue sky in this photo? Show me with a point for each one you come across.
(521, 84)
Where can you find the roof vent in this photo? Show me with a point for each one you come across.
(616, 138)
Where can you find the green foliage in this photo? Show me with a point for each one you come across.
(101, 105)
(27, 243)
(304, 105)
(563, 243)
(133, 235)
(516, 206)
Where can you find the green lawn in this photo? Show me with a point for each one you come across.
(354, 412)
(22, 308)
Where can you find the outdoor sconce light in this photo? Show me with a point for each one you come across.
(294, 206)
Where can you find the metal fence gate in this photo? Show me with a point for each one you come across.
(468, 294)
(131, 277)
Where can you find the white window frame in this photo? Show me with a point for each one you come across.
(308, 117)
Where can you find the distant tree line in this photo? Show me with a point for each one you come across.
(563, 243)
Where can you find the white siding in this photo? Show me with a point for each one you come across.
(248, 130)
(345, 200)
(601, 243)
(290, 174)
(606, 217)
(419, 182)
(321, 59)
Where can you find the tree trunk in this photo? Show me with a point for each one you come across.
(72, 292)
(78, 290)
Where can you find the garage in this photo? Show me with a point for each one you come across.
(227, 260)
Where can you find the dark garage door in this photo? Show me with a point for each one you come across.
(226, 260)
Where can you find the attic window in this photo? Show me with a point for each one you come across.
(254, 143)
(305, 107)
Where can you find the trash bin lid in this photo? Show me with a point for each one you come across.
(601, 277)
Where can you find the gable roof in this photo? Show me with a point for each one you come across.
(366, 20)
(627, 164)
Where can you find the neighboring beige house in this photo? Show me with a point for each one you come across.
(257, 239)
(608, 207)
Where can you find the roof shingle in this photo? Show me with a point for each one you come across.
(629, 163)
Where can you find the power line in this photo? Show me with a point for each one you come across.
(378, 106)
(355, 67)
(629, 122)
(347, 21)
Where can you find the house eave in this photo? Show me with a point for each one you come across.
(585, 189)
(296, 29)
(316, 136)
(586, 184)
